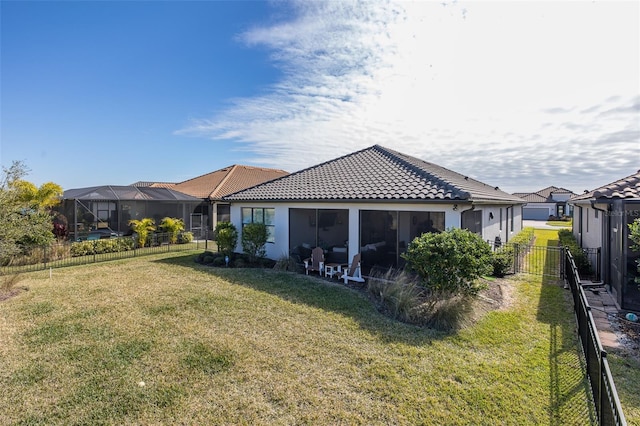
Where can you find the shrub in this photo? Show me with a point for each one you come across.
(450, 262)
(444, 312)
(254, 239)
(567, 239)
(142, 227)
(503, 256)
(218, 261)
(397, 292)
(226, 237)
(502, 261)
(286, 263)
(112, 245)
(173, 227)
(185, 237)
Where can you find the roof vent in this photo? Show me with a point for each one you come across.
(496, 188)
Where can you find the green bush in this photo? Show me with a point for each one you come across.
(567, 239)
(254, 239)
(502, 260)
(173, 226)
(226, 237)
(218, 261)
(185, 237)
(450, 262)
(112, 245)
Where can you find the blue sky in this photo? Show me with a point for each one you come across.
(517, 94)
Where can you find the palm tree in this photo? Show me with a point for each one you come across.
(173, 226)
(142, 227)
(45, 197)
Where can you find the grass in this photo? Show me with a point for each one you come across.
(560, 223)
(160, 339)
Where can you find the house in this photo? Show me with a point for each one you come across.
(196, 201)
(601, 219)
(548, 202)
(111, 207)
(212, 187)
(374, 202)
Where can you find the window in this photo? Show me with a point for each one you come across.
(501, 218)
(261, 215)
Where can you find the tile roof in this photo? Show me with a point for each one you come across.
(542, 196)
(374, 173)
(625, 188)
(530, 197)
(219, 183)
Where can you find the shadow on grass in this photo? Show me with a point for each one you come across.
(569, 386)
(319, 293)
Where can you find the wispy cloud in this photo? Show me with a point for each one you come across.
(499, 91)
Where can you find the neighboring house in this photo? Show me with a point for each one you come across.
(546, 203)
(111, 207)
(601, 219)
(196, 201)
(374, 202)
(212, 187)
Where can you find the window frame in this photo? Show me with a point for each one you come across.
(260, 213)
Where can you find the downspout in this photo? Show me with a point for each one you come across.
(463, 211)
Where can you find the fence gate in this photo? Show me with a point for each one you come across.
(539, 260)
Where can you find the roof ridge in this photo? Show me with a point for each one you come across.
(206, 174)
(224, 179)
(397, 155)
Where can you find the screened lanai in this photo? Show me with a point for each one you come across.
(112, 207)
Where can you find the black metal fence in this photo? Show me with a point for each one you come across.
(548, 260)
(80, 253)
(531, 259)
(604, 391)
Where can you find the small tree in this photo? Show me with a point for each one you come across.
(142, 227)
(254, 238)
(173, 227)
(226, 237)
(450, 262)
(634, 236)
(23, 223)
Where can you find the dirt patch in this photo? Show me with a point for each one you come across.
(8, 294)
(628, 334)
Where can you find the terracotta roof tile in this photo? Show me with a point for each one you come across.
(375, 173)
(219, 183)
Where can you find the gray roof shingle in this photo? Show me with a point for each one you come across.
(374, 173)
(543, 196)
(625, 188)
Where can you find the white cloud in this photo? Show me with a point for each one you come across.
(519, 94)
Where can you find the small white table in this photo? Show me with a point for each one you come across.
(331, 269)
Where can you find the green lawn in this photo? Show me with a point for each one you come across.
(560, 223)
(160, 339)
